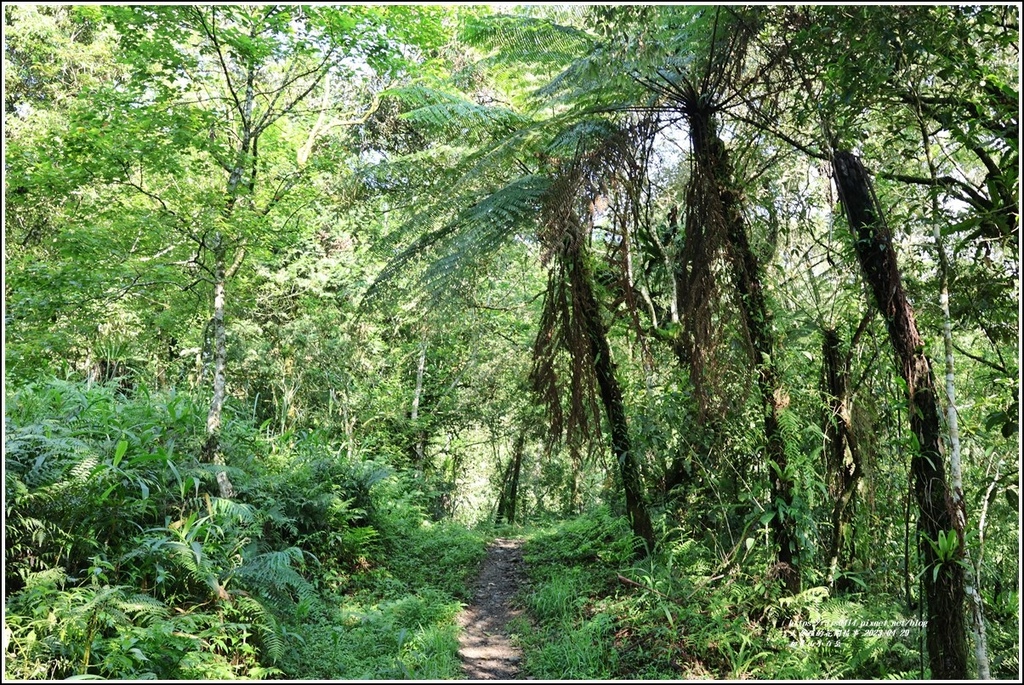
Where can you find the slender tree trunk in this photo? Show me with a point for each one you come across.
(221, 274)
(943, 579)
(713, 159)
(971, 578)
(510, 484)
(842, 455)
(588, 309)
(952, 424)
(211, 449)
(419, 446)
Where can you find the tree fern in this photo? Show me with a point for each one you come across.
(486, 205)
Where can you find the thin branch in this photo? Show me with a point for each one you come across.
(762, 126)
(212, 35)
(981, 360)
(269, 117)
(948, 182)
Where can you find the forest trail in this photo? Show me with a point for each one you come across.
(485, 649)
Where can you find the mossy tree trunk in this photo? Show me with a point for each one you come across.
(843, 463)
(943, 574)
(588, 310)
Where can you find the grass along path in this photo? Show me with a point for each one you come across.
(487, 652)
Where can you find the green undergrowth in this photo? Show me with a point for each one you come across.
(594, 612)
(122, 563)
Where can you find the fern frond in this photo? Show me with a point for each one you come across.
(273, 575)
(588, 134)
(265, 623)
(142, 606)
(515, 40)
(447, 113)
(196, 564)
(232, 509)
(487, 225)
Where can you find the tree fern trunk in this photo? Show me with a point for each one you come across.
(588, 309)
(773, 399)
(712, 158)
(943, 579)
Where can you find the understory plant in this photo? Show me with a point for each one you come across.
(593, 612)
(122, 562)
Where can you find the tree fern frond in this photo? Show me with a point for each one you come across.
(463, 116)
(446, 112)
(401, 262)
(516, 40)
(439, 220)
(579, 79)
(588, 134)
(483, 228)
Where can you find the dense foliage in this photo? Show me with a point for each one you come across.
(721, 303)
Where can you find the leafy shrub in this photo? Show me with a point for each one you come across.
(111, 524)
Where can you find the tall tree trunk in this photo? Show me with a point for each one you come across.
(712, 159)
(211, 449)
(943, 578)
(419, 446)
(510, 483)
(955, 468)
(842, 456)
(589, 311)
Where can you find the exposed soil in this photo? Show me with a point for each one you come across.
(486, 651)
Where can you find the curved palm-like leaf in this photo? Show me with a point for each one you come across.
(442, 112)
(515, 40)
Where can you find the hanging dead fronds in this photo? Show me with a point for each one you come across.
(562, 347)
(563, 352)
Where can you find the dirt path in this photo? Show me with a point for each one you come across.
(486, 652)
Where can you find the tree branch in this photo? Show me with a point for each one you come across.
(212, 35)
(976, 198)
(981, 360)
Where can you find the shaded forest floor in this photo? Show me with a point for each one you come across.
(485, 647)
